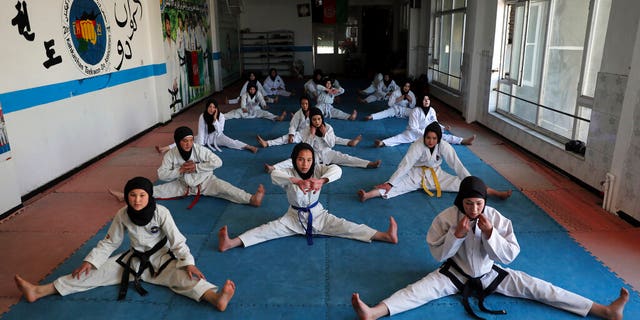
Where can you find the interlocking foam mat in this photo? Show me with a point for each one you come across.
(287, 279)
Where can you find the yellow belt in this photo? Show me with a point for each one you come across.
(435, 181)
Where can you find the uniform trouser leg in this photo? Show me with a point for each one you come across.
(451, 138)
(330, 225)
(234, 114)
(404, 137)
(371, 98)
(219, 188)
(170, 189)
(284, 164)
(234, 100)
(521, 285)
(278, 141)
(224, 141)
(339, 158)
(435, 285)
(386, 113)
(271, 230)
(110, 273)
(410, 182)
(339, 114)
(342, 141)
(265, 114)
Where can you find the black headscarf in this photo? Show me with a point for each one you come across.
(294, 155)
(249, 86)
(143, 216)
(312, 112)
(386, 83)
(402, 88)
(272, 75)
(208, 118)
(254, 81)
(433, 127)
(180, 134)
(421, 101)
(470, 187)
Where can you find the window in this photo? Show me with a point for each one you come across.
(325, 39)
(551, 53)
(448, 42)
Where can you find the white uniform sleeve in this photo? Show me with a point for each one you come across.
(209, 161)
(451, 157)
(503, 245)
(219, 125)
(407, 162)
(441, 239)
(169, 171)
(295, 121)
(392, 99)
(260, 99)
(202, 131)
(244, 89)
(329, 136)
(413, 100)
(331, 172)
(110, 242)
(414, 119)
(261, 88)
(177, 242)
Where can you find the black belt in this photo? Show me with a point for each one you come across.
(473, 287)
(145, 263)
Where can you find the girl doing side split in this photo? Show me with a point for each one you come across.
(300, 123)
(252, 105)
(470, 238)
(306, 216)
(421, 169)
(211, 131)
(419, 119)
(159, 255)
(322, 138)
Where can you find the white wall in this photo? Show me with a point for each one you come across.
(92, 113)
(260, 15)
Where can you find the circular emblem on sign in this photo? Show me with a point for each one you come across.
(87, 35)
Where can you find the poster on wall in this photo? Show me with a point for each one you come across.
(187, 43)
(4, 140)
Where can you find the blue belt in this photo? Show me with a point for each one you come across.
(308, 230)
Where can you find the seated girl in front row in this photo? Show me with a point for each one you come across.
(159, 255)
(305, 215)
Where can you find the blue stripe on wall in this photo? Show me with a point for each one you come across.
(28, 98)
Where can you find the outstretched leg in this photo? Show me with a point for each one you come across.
(374, 164)
(220, 299)
(613, 311)
(250, 148)
(281, 116)
(261, 141)
(378, 143)
(365, 312)
(366, 195)
(391, 235)
(503, 195)
(353, 115)
(256, 198)
(33, 292)
(354, 142)
(268, 168)
(468, 140)
(118, 195)
(224, 242)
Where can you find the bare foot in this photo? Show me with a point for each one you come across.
(256, 198)
(261, 141)
(362, 309)
(224, 242)
(118, 195)
(225, 295)
(504, 195)
(353, 115)
(30, 291)
(282, 116)
(354, 142)
(362, 195)
(275, 100)
(392, 232)
(158, 149)
(251, 148)
(268, 168)
(374, 164)
(367, 118)
(468, 140)
(616, 308)
(378, 143)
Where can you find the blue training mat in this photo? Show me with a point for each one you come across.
(287, 279)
